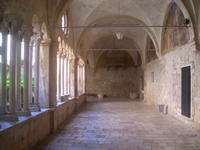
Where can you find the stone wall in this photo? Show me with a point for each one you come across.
(112, 83)
(166, 87)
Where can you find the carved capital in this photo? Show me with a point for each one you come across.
(4, 28)
(63, 56)
(58, 55)
(75, 58)
(27, 35)
(66, 55)
(13, 23)
(69, 57)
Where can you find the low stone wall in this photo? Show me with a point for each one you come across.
(25, 134)
(82, 98)
(28, 131)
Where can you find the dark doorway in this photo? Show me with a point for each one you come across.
(186, 91)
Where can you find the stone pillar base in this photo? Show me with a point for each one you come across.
(59, 100)
(23, 113)
(35, 109)
(9, 117)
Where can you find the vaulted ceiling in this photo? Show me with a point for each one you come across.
(146, 13)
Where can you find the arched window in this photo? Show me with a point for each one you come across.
(65, 23)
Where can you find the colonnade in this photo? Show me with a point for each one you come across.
(64, 60)
(15, 107)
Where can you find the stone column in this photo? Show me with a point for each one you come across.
(18, 73)
(30, 67)
(76, 76)
(58, 76)
(27, 34)
(81, 89)
(3, 92)
(84, 81)
(72, 76)
(66, 75)
(36, 105)
(52, 72)
(143, 88)
(44, 73)
(69, 73)
(14, 26)
(62, 74)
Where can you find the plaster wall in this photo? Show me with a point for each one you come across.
(112, 83)
(166, 87)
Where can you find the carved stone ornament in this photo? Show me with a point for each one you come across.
(13, 23)
(58, 54)
(4, 28)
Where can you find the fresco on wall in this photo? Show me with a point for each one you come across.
(115, 59)
(151, 52)
(174, 37)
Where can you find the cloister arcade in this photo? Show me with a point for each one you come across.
(56, 54)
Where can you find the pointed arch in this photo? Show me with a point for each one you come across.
(44, 30)
(35, 23)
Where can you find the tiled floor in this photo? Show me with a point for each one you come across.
(121, 124)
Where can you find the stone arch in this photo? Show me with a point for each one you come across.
(91, 60)
(60, 44)
(44, 30)
(127, 38)
(149, 45)
(104, 52)
(35, 23)
(70, 50)
(148, 30)
(63, 46)
(67, 48)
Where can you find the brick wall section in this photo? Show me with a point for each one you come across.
(112, 83)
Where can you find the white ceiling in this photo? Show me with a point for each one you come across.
(108, 12)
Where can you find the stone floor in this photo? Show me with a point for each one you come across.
(121, 124)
